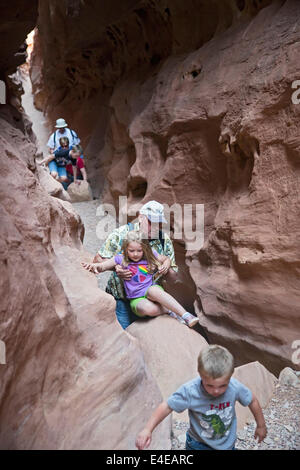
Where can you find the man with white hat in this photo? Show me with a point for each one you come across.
(150, 218)
(62, 130)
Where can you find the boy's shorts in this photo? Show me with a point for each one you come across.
(60, 170)
(134, 302)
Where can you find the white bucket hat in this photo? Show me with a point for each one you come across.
(61, 123)
(154, 211)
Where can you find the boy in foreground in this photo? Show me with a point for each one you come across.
(210, 399)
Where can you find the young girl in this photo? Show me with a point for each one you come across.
(146, 298)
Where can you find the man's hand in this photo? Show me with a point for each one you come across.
(124, 274)
(164, 268)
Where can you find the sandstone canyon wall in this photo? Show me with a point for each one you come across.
(70, 378)
(190, 102)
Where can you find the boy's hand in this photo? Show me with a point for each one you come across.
(260, 433)
(143, 439)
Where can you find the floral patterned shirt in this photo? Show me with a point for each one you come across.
(113, 246)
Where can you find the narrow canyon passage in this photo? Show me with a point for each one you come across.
(187, 103)
(40, 126)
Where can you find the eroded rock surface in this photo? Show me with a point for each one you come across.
(72, 378)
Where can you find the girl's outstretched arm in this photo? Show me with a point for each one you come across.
(96, 268)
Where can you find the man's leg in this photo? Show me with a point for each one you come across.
(123, 312)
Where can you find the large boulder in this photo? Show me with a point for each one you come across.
(80, 192)
(260, 381)
(171, 350)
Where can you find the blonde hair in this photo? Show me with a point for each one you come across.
(64, 140)
(215, 361)
(77, 149)
(138, 237)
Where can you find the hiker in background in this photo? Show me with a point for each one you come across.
(77, 172)
(62, 130)
(151, 214)
(58, 160)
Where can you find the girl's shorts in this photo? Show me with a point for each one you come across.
(134, 302)
(60, 170)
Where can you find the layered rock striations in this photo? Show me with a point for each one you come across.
(193, 104)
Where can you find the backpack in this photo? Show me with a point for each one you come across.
(73, 133)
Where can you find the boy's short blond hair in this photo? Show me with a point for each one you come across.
(215, 361)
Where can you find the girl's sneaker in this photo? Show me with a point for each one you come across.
(177, 317)
(190, 319)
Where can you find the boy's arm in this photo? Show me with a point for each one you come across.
(143, 439)
(74, 167)
(261, 429)
(84, 174)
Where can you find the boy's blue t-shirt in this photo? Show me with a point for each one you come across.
(212, 420)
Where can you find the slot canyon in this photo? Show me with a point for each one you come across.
(183, 102)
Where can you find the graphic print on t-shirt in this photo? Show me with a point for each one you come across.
(139, 272)
(216, 422)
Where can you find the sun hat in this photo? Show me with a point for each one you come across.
(154, 211)
(61, 123)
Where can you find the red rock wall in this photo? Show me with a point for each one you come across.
(70, 377)
(193, 105)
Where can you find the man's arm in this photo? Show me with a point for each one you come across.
(261, 429)
(98, 259)
(51, 144)
(143, 439)
(111, 247)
